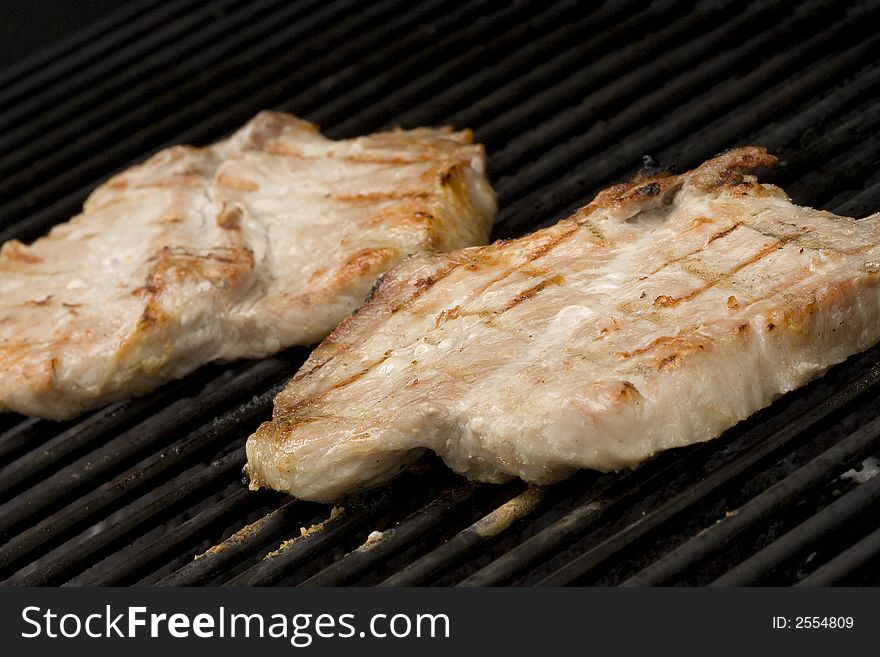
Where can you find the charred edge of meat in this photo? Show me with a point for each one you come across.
(723, 171)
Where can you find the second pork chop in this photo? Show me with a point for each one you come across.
(659, 315)
(259, 242)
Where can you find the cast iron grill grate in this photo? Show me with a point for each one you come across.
(568, 97)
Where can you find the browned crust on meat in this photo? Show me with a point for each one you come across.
(363, 264)
(15, 251)
(229, 217)
(447, 315)
(41, 302)
(658, 189)
(376, 197)
(192, 180)
(723, 171)
(268, 126)
(151, 317)
(727, 169)
(225, 180)
(627, 393)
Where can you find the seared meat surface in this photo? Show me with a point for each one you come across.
(659, 315)
(259, 242)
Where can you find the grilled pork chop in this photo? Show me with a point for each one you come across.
(659, 315)
(259, 242)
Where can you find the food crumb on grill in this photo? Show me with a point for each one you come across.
(373, 538)
(864, 472)
(505, 515)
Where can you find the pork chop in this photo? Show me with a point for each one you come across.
(259, 242)
(659, 315)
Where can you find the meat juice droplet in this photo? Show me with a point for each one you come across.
(422, 349)
(392, 364)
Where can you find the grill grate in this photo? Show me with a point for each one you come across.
(567, 98)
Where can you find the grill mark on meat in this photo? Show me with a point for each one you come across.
(593, 228)
(425, 283)
(699, 221)
(628, 393)
(359, 374)
(473, 265)
(546, 247)
(373, 197)
(656, 342)
(225, 180)
(447, 315)
(306, 372)
(725, 232)
(41, 302)
(531, 292)
(687, 342)
(803, 239)
(347, 381)
(665, 301)
(543, 249)
(491, 313)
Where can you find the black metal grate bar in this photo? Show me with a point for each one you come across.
(73, 56)
(179, 491)
(420, 526)
(157, 68)
(819, 471)
(290, 555)
(144, 559)
(453, 84)
(89, 434)
(55, 528)
(863, 203)
(361, 94)
(258, 89)
(24, 436)
(571, 188)
(765, 124)
(113, 141)
(454, 551)
(609, 497)
(124, 449)
(249, 541)
(620, 76)
(818, 190)
(838, 569)
(832, 518)
(613, 19)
